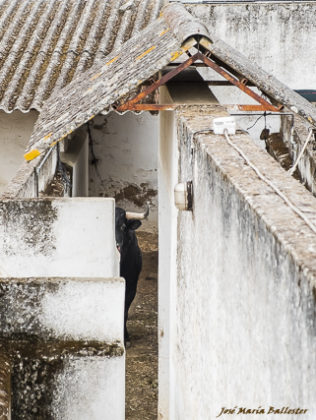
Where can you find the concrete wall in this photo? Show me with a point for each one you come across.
(61, 310)
(126, 149)
(15, 132)
(278, 37)
(66, 237)
(64, 342)
(244, 309)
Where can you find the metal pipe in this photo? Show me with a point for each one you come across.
(38, 168)
(46, 156)
(36, 188)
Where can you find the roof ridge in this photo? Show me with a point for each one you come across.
(182, 23)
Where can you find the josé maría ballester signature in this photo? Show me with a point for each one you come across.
(260, 410)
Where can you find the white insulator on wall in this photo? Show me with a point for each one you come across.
(183, 195)
(224, 123)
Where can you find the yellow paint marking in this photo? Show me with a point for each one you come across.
(53, 144)
(146, 52)
(92, 116)
(32, 154)
(112, 61)
(185, 47)
(95, 76)
(63, 137)
(176, 54)
(164, 32)
(48, 136)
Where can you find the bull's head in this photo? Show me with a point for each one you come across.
(125, 225)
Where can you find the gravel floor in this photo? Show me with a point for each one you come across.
(142, 355)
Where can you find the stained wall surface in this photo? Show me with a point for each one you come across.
(15, 132)
(61, 310)
(245, 306)
(278, 37)
(125, 147)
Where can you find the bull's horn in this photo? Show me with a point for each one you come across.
(138, 216)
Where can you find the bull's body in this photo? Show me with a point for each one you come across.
(131, 258)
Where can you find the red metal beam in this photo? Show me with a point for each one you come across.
(257, 108)
(240, 84)
(134, 105)
(164, 79)
(148, 107)
(171, 107)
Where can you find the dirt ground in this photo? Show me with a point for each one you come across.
(142, 355)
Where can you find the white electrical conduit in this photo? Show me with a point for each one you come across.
(291, 170)
(267, 181)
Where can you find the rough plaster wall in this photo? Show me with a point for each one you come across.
(63, 336)
(245, 288)
(70, 309)
(278, 37)
(62, 380)
(81, 390)
(126, 148)
(58, 237)
(15, 132)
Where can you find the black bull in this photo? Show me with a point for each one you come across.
(131, 256)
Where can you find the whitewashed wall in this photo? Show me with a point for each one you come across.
(62, 309)
(65, 237)
(244, 309)
(278, 37)
(15, 133)
(126, 148)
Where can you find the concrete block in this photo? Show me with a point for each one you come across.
(62, 309)
(58, 238)
(59, 382)
(91, 388)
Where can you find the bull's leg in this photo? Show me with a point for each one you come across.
(126, 335)
(129, 297)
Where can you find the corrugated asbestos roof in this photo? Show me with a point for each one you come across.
(44, 44)
(109, 83)
(100, 87)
